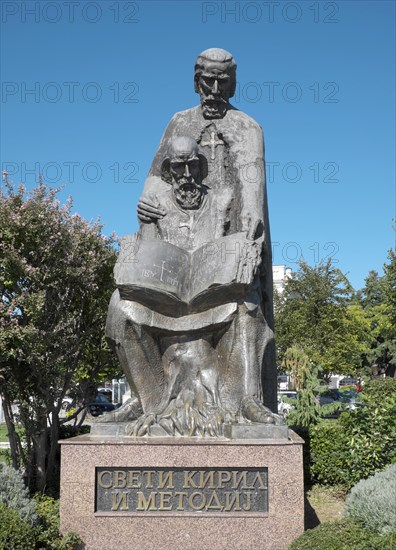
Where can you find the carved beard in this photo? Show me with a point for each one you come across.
(188, 194)
(213, 107)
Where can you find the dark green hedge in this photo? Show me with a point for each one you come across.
(360, 443)
(342, 535)
(329, 454)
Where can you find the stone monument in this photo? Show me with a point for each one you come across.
(191, 322)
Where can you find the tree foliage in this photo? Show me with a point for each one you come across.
(315, 313)
(295, 362)
(360, 442)
(55, 284)
(371, 294)
(378, 300)
(306, 411)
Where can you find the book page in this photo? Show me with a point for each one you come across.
(217, 266)
(152, 265)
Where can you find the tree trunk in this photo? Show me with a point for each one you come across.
(40, 446)
(12, 436)
(52, 470)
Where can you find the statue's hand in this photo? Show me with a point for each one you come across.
(149, 210)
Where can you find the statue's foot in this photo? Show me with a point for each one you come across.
(252, 409)
(184, 416)
(181, 416)
(130, 410)
(141, 426)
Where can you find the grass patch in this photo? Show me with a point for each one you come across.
(5, 456)
(323, 504)
(3, 433)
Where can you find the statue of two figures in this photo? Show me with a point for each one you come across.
(191, 320)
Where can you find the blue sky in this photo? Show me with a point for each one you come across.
(105, 78)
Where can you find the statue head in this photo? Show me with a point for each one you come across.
(184, 168)
(215, 81)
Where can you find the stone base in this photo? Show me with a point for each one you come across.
(255, 430)
(158, 528)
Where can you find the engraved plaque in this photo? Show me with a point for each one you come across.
(181, 490)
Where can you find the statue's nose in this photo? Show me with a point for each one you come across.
(215, 88)
(186, 171)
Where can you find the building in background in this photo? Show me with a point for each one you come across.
(280, 275)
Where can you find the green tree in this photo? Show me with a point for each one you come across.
(315, 313)
(307, 411)
(372, 294)
(378, 299)
(55, 284)
(295, 362)
(390, 285)
(390, 304)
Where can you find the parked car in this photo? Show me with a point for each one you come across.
(290, 394)
(101, 405)
(107, 393)
(283, 382)
(348, 381)
(66, 404)
(350, 399)
(283, 407)
(329, 396)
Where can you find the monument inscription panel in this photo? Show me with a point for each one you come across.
(177, 490)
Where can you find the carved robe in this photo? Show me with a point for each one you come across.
(234, 341)
(236, 176)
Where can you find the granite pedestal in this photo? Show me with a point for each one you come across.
(201, 493)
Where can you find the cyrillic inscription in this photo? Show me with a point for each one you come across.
(200, 490)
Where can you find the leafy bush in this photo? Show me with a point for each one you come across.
(329, 454)
(371, 429)
(66, 430)
(377, 390)
(48, 511)
(14, 494)
(342, 535)
(29, 523)
(15, 533)
(372, 502)
(360, 443)
(70, 541)
(48, 536)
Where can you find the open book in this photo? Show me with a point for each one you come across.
(176, 282)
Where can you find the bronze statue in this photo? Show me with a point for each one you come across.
(191, 320)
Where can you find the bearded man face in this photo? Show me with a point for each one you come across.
(185, 171)
(215, 81)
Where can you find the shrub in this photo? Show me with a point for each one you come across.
(17, 515)
(70, 541)
(15, 533)
(66, 430)
(329, 454)
(372, 502)
(48, 512)
(49, 536)
(360, 443)
(14, 494)
(342, 535)
(378, 389)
